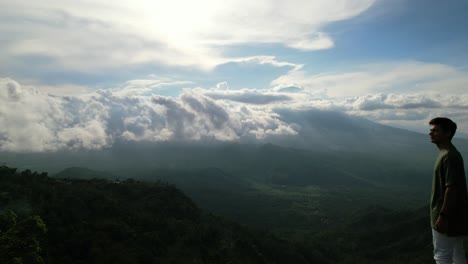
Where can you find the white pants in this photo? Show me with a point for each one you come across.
(448, 249)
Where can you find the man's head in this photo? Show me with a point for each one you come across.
(442, 130)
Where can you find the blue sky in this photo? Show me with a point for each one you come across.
(395, 62)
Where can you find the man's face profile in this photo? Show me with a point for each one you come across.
(438, 135)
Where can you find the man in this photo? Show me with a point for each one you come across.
(449, 199)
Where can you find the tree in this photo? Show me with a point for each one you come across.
(20, 241)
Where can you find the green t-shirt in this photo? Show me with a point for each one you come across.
(449, 171)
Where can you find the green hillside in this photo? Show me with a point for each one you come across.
(101, 221)
(326, 224)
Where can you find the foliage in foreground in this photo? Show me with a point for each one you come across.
(99, 221)
(104, 221)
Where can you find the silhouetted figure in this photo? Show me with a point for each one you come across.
(449, 199)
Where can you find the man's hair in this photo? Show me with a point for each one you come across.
(445, 124)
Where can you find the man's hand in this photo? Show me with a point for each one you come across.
(441, 224)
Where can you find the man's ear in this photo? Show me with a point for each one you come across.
(450, 134)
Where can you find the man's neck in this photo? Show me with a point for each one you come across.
(444, 146)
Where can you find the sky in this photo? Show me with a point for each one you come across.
(83, 74)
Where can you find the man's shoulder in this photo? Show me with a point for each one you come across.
(453, 153)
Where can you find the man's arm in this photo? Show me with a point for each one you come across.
(447, 209)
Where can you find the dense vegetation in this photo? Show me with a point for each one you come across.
(20, 239)
(327, 224)
(128, 221)
(101, 221)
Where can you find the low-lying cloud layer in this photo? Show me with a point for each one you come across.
(34, 121)
(31, 120)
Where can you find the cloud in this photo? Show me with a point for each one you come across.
(413, 102)
(248, 96)
(265, 60)
(390, 102)
(87, 36)
(397, 77)
(371, 102)
(88, 135)
(404, 93)
(63, 90)
(288, 88)
(31, 120)
(206, 118)
(318, 42)
(397, 114)
(222, 86)
(147, 86)
(34, 121)
(394, 101)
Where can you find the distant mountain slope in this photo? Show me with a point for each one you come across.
(338, 131)
(83, 173)
(98, 221)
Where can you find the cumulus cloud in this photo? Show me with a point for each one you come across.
(404, 91)
(249, 96)
(32, 120)
(394, 101)
(35, 121)
(371, 102)
(222, 86)
(391, 102)
(288, 88)
(404, 94)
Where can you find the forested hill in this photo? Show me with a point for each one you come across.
(69, 221)
(64, 220)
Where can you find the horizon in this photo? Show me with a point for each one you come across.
(82, 75)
